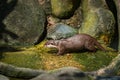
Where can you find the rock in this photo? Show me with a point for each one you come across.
(66, 73)
(69, 73)
(45, 77)
(60, 31)
(107, 78)
(76, 20)
(23, 23)
(19, 72)
(46, 5)
(3, 77)
(98, 21)
(64, 8)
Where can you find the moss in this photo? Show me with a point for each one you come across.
(58, 5)
(85, 7)
(88, 26)
(105, 38)
(39, 57)
(94, 61)
(26, 59)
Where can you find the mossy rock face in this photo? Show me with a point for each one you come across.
(92, 4)
(98, 22)
(25, 23)
(64, 8)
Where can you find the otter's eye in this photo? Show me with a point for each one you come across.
(51, 43)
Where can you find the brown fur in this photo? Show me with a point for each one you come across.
(75, 43)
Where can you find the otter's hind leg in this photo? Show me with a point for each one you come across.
(90, 45)
(91, 48)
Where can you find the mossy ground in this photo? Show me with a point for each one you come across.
(39, 57)
(94, 61)
(26, 59)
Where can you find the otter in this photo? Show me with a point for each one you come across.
(75, 43)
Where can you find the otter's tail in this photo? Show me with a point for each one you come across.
(98, 45)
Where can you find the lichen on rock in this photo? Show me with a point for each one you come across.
(98, 21)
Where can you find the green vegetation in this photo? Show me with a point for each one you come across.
(27, 59)
(39, 57)
(94, 61)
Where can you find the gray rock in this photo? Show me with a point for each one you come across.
(45, 77)
(70, 73)
(3, 77)
(46, 5)
(64, 8)
(107, 78)
(66, 73)
(60, 31)
(23, 23)
(98, 21)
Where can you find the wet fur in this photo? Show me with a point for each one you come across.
(75, 43)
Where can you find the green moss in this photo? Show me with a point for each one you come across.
(28, 59)
(90, 23)
(85, 7)
(39, 57)
(94, 61)
(58, 5)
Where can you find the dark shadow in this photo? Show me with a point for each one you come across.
(83, 51)
(44, 34)
(53, 51)
(8, 49)
(107, 78)
(5, 8)
(76, 4)
(113, 9)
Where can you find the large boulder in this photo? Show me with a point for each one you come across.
(23, 22)
(64, 8)
(98, 20)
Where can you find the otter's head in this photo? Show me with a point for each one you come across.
(51, 44)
